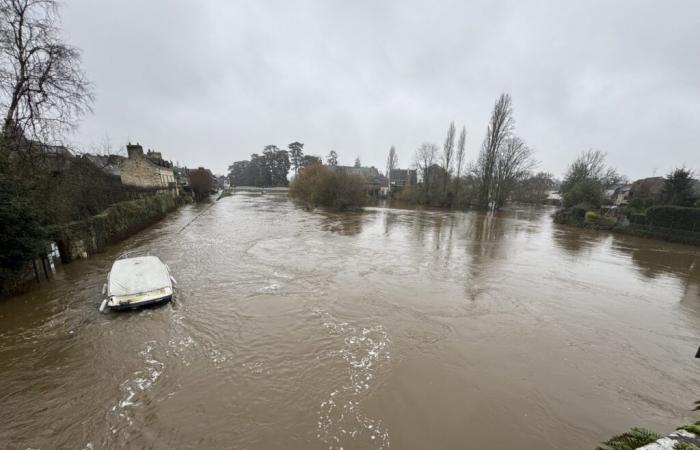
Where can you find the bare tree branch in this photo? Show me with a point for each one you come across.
(42, 88)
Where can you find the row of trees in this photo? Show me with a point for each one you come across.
(272, 166)
(588, 177)
(267, 169)
(504, 161)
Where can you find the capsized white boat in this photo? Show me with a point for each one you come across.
(136, 282)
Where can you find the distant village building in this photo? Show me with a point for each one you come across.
(374, 180)
(646, 190)
(435, 173)
(182, 178)
(148, 171)
(400, 178)
(621, 196)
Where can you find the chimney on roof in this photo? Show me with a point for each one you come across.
(134, 150)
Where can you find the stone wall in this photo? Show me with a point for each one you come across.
(79, 239)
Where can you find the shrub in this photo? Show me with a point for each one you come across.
(317, 185)
(591, 216)
(584, 191)
(678, 217)
(637, 218)
(411, 194)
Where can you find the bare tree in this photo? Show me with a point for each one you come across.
(44, 91)
(590, 165)
(392, 162)
(513, 164)
(448, 150)
(425, 157)
(459, 157)
(499, 130)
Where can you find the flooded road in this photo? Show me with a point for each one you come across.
(383, 329)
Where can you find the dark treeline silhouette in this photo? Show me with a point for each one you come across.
(265, 170)
(270, 169)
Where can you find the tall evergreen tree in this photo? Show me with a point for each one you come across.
(332, 158)
(296, 153)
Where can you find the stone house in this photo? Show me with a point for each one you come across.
(147, 171)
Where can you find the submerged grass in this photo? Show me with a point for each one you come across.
(634, 438)
(691, 428)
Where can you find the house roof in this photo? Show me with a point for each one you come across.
(648, 186)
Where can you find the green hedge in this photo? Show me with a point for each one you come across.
(676, 217)
(113, 224)
(637, 218)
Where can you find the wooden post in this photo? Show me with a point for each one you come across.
(43, 264)
(36, 272)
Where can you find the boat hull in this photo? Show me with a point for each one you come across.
(139, 304)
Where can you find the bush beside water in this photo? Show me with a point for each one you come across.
(676, 217)
(317, 185)
(669, 223)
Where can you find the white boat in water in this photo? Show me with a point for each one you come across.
(136, 282)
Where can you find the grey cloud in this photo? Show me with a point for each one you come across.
(211, 82)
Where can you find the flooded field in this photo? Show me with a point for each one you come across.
(384, 329)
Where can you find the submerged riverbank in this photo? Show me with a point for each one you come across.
(639, 226)
(378, 329)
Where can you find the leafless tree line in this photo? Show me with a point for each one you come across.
(487, 182)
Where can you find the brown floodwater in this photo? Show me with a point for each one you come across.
(389, 328)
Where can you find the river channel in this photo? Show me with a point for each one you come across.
(388, 328)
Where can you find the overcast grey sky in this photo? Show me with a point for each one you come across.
(210, 82)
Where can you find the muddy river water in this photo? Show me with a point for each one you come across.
(389, 328)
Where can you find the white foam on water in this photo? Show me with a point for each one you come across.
(269, 288)
(341, 420)
(134, 387)
(217, 357)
